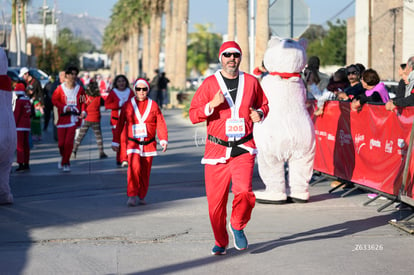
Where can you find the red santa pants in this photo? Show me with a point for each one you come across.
(121, 155)
(239, 171)
(139, 169)
(66, 138)
(23, 147)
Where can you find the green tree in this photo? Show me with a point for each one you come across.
(69, 48)
(202, 49)
(330, 47)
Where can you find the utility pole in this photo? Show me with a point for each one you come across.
(45, 8)
(394, 12)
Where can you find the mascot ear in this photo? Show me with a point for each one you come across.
(304, 43)
(274, 41)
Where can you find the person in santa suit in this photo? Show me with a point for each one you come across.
(143, 119)
(7, 131)
(93, 120)
(118, 96)
(230, 101)
(22, 112)
(69, 99)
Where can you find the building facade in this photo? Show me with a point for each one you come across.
(380, 35)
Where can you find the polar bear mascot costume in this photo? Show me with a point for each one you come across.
(7, 131)
(287, 134)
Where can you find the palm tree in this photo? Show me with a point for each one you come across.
(231, 21)
(242, 27)
(262, 29)
(169, 41)
(157, 8)
(181, 49)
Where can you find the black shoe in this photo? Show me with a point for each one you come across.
(296, 200)
(26, 166)
(20, 168)
(103, 156)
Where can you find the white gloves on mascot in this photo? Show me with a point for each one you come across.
(287, 134)
(8, 137)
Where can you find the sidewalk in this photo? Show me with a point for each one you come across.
(78, 222)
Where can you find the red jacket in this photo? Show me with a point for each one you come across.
(252, 97)
(22, 111)
(151, 115)
(114, 103)
(93, 104)
(65, 100)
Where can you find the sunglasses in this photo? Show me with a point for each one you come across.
(227, 55)
(352, 72)
(145, 89)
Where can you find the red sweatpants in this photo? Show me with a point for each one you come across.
(23, 147)
(121, 155)
(139, 170)
(66, 138)
(239, 171)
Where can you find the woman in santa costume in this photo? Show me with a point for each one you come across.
(117, 97)
(69, 99)
(22, 112)
(230, 101)
(7, 131)
(142, 118)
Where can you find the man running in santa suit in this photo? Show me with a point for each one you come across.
(143, 119)
(69, 99)
(230, 101)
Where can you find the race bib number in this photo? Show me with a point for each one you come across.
(71, 101)
(235, 127)
(139, 130)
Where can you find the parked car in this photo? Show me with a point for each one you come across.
(14, 76)
(391, 87)
(36, 73)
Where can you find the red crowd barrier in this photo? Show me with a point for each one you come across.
(367, 147)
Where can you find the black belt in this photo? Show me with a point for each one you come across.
(230, 143)
(115, 118)
(142, 142)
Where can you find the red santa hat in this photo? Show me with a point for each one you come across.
(19, 87)
(229, 46)
(142, 81)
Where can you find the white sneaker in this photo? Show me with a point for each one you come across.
(132, 201)
(66, 168)
(59, 165)
(124, 164)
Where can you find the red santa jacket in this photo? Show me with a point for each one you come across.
(135, 112)
(249, 95)
(65, 99)
(22, 111)
(115, 100)
(93, 104)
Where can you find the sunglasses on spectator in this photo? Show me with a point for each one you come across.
(145, 89)
(352, 72)
(227, 55)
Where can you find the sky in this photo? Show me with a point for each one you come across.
(202, 11)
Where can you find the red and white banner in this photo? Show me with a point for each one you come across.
(367, 147)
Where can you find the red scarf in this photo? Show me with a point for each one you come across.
(5, 83)
(286, 75)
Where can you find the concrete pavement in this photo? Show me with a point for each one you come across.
(78, 222)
